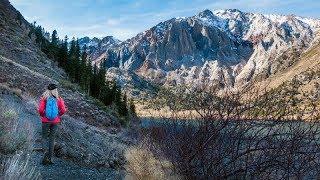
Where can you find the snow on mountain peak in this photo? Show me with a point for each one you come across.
(245, 25)
(208, 18)
(227, 43)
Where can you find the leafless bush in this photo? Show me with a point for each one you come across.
(248, 134)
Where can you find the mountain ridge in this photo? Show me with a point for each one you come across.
(229, 47)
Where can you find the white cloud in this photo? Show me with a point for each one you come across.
(123, 33)
(113, 22)
(22, 2)
(137, 4)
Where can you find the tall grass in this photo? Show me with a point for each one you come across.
(142, 163)
(15, 145)
(14, 136)
(18, 167)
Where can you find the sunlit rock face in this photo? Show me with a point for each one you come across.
(225, 46)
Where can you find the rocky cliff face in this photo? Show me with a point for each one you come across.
(227, 46)
(272, 36)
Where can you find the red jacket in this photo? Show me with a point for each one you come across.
(42, 107)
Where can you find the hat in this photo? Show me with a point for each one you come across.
(52, 87)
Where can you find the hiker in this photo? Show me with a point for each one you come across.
(51, 108)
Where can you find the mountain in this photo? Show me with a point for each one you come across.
(306, 71)
(96, 46)
(90, 43)
(229, 47)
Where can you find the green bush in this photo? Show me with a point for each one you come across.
(124, 121)
(10, 114)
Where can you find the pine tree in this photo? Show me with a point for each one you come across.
(83, 68)
(89, 72)
(108, 96)
(54, 38)
(132, 107)
(124, 104)
(53, 48)
(93, 82)
(77, 63)
(83, 64)
(71, 63)
(101, 81)
(63, 53)
(116, 94)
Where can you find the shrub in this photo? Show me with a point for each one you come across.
(240, 134)
(124, 121)
(15, 143)
(5, 88)
(10, 114)
(18, 138)
(143, 164)
(69, 85)
(18, 168)
(13, 136)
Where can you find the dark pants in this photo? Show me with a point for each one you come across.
(48, 134)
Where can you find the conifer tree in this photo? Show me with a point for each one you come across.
(85, 75)
(124, 103)
(54, 38)
(77, 63)
(53, 46)
(93, 82)
(132, 107)
(101, 81)
(63, 53)
(89, 72)
(107, 94)
(71, 63)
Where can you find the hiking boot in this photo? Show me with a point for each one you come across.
(50, 162)
(46, 161)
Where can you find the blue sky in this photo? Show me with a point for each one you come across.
(125, 18)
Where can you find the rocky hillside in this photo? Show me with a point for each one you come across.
(225, 46)
(305, 72)
(26, 71)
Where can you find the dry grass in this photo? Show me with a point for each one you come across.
(308, 60)
(143, 111)
(13, 136)
(143, 164)
(4, 88)
(18, 168)
(15, 143)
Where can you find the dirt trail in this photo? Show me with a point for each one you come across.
(62, 168)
